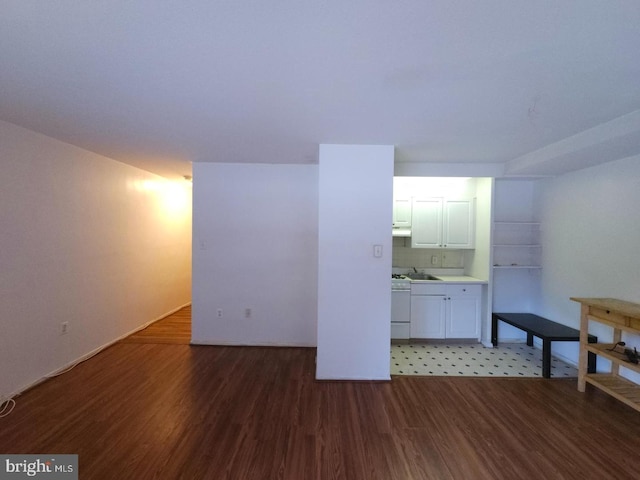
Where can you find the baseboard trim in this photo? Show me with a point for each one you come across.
(354, 379)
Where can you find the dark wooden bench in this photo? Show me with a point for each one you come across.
(547, 330)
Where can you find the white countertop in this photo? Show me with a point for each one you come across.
(444, 275)
(459, 279)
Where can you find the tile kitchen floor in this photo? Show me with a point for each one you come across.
(469, 360)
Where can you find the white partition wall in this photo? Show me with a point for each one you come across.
(255, 254)
(354, 261)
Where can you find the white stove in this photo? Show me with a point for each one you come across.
(400, 282)
(400, 306)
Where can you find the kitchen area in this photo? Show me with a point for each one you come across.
(441, 261)
(463, 247)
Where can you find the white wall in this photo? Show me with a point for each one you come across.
(516, 200)
(590, 239)
(477, 260)
(85, 240)
(354, 294)
(255, 246)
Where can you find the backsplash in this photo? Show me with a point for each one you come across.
(405, 256)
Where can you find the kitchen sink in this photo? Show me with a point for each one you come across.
(421, 276)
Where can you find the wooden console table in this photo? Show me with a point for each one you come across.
(622, 317)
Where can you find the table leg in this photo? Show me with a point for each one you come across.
(546, 358)
(583, 360)
(591, 362)
(530, 339)
(494, 330)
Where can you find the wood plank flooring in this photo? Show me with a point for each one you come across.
(175, 328)
(159, 411)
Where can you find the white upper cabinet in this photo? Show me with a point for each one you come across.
(426, 223)
(443, 223)
(402, 212)
(459, 222)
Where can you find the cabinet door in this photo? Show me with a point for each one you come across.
(459, 221)
(427, 316)
(463, 312)
(426, 223)
(402, 212)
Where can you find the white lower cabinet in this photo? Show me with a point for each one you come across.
(462, 311)
(427, 316)
(445, 310)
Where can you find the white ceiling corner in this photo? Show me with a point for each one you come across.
(609, 141)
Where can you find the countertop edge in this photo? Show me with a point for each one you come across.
(458, 279)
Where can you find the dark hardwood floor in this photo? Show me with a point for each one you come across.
(144, 411)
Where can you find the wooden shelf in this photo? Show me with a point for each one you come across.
(621, 316)
(516, 266)
(603, 350)
(502, 222)
(618, 387)
(517, 245)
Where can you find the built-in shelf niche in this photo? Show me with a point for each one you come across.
(516, 244)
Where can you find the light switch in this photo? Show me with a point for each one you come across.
(377, 251)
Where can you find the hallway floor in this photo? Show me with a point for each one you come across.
(173, 329)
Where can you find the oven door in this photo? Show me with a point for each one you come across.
(400, 314)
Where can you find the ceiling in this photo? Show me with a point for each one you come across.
(542, 87)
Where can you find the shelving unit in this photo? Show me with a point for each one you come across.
(516, 245)
(622, 317)
(516, 252)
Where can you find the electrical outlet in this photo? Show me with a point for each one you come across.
(64, 328)
(219, 313)
(247, 313)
